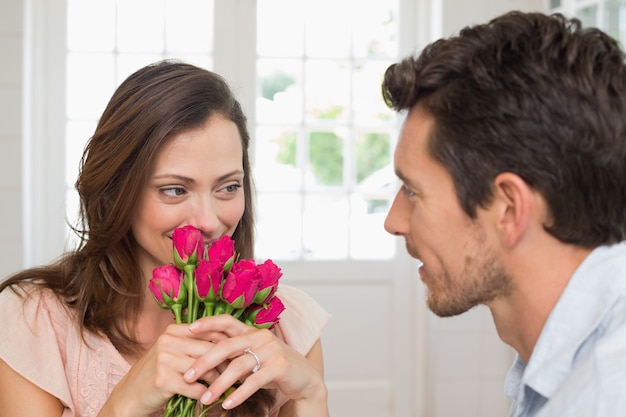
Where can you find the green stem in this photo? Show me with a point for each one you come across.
(177, 310)
(192, 314)
(220, 308)
(209, 306)
(172, 405)
(229, 309)
(189, 407)
(238, 312)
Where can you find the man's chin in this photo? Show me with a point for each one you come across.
(445, 308)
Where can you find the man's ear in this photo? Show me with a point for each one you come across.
(513, 200)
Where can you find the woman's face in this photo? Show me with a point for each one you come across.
(197, 180)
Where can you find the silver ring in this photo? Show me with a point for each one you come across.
(256, 358)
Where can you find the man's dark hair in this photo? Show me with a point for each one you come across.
(535, 95)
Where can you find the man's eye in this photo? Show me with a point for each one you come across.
(408, 192)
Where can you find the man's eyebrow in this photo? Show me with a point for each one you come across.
(400, 175)
(411, 183)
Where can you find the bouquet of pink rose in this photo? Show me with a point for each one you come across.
(207, 282)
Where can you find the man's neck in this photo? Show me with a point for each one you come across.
(539, 278)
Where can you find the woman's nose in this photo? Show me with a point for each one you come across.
(204, 216)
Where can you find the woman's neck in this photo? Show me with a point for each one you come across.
(151, 323)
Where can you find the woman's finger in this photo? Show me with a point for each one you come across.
(221, 326)
(230, 349)
(238, 373)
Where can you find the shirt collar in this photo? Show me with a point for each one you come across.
(587, 297)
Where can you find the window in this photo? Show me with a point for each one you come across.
(107, 40)
(322, 138)
(608, 15)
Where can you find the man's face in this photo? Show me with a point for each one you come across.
(460, 266)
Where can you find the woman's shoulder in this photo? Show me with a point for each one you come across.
(45, 344)
(36, 326)
(301, 323)
(33, 303)
(33, 316)
(298, 299)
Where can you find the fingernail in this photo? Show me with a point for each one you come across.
(227, 403)
(190, 374)
(206, 398)
(194, 326)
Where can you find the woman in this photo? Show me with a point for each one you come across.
(84, 337)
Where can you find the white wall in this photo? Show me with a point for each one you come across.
(11, 182)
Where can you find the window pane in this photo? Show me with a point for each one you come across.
(325, 229)
(279, 226)
(326, 158)
(367, 103)
(189, 26)
(370, 203)
(555, 3)
(90, 25)
(77, 133)
(588, 16)
(327, 89)
(71, 214)
(328, 28)
(276, 167)
(140, 25)
(277, 35)
(86, 98)
(375, 29)
(373, 152)
(368, 238)
(280, 91)
(615, 20)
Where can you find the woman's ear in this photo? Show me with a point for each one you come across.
(513, 202)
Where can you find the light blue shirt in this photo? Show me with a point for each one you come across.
(578, 366)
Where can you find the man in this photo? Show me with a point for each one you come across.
(512, 159)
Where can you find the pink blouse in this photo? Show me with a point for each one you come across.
(42, 342)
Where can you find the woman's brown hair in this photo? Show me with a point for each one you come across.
(100, 279)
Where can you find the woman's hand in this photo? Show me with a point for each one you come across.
(158, 374)
(297, 377)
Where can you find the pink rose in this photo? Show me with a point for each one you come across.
(222, 250)
(188, 245)
(208, 276)
(265, 316)
(167, 286)
(269, 274)
(240, 284)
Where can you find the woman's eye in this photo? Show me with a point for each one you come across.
(232, 188)
(173, 191)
